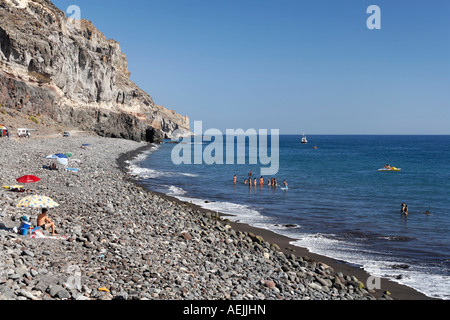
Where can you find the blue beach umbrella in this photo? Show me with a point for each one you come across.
(63, 161)
(60, 155)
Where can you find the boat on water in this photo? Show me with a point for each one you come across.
(389, 168)
(304, 140)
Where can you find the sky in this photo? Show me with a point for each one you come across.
(300, 66)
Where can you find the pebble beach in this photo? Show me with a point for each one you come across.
(124, 242)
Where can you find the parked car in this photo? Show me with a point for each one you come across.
(66, 134)
(23, 133)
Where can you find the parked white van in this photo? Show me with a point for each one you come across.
(23, 133)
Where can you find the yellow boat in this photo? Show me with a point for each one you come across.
(390, 169)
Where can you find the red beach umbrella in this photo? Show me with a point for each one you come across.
(28, 179)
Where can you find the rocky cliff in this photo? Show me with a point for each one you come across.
(67, 70)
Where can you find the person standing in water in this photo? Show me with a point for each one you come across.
(261, 181)
(234, 179)
(403, 207)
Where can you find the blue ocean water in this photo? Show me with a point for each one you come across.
(338, 203)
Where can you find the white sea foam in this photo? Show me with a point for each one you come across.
(143, 173)
(175, 191)
(136, 170)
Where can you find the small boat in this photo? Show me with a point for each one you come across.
(304, 140)
(390, 169)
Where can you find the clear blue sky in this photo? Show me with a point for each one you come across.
(296, 65)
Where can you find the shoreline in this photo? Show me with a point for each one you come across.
(396, 291)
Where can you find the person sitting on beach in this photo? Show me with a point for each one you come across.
(45, 222)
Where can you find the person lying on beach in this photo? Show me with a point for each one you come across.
(45, 222)
(51, 167)
(20, 190)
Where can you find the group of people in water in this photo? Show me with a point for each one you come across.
(272, 182)
(404, 210)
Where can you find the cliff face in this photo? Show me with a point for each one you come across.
(67, 69)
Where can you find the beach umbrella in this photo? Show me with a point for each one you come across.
(27, 179)
(60, 155)
(36, 201)
(63, 161)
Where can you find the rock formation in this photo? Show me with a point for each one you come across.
(69, 71)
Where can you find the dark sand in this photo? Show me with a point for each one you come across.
(396, 290)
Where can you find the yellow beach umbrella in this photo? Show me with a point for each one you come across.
(36, 201)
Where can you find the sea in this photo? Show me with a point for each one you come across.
(337, 203)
